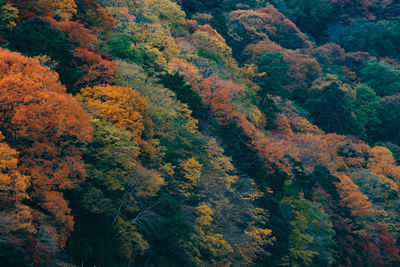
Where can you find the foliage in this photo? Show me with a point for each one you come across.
(221, 133)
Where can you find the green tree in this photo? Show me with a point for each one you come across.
(366, 108)
(184, 92)
(382, 77)
(332, 109)
(272, 68)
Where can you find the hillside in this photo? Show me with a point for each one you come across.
(200, 133)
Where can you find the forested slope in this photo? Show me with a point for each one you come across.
(199, 133)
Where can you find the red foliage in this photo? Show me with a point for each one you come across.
(387, 247)
(94, 16)
(349, 10)
(75, 32)
(98, 70)
(41, 121)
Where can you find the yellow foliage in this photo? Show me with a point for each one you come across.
(11, 181)
(204, 215)
(170, 12)
(156, 36)
(191, 170)
(122, 106)
(63, 8)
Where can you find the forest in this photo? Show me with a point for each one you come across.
(215, 133)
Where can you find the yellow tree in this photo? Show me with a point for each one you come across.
(121, 106)
(63, 8)
(191, 172)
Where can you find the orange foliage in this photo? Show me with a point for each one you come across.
(75, 32)
(190, 71)
(382, 163)
(314, 150)
(352, 198)
(40, 119)
(192, 26)
(266, 24)
(302, 125)
(282, 124)
(122, 106)
(217, 95)
(97, 69)
(272, 154)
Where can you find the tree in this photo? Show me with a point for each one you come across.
(311, 16)
(332, 107)
(111, 199)
(46, 125)
(352, 198)
(8, 17)
(184, 92)
(169, 12)
(366, 108)
(96, 69)
(94, 16)
(266, 24)
(379, 38)
(299, 240)
(381, 77)
(272, 68)
(389, 115)
(121, 106)
(191, 172)
(64, 9)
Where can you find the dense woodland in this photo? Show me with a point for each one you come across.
(200, 133)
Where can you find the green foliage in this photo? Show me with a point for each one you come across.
(272, 68)
(378, 38)
(37, 37)
(210, 55)
(311, 16)
(169, 12)
(116, 181)
(125, 46)
(121, 44)
(366, 108)
(382, 77)
(332, 108)
(184, 93)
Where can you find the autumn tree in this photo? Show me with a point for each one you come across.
(8, 17)
(111, 198)
(121, 106)
(46, 126)
(96, 69)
